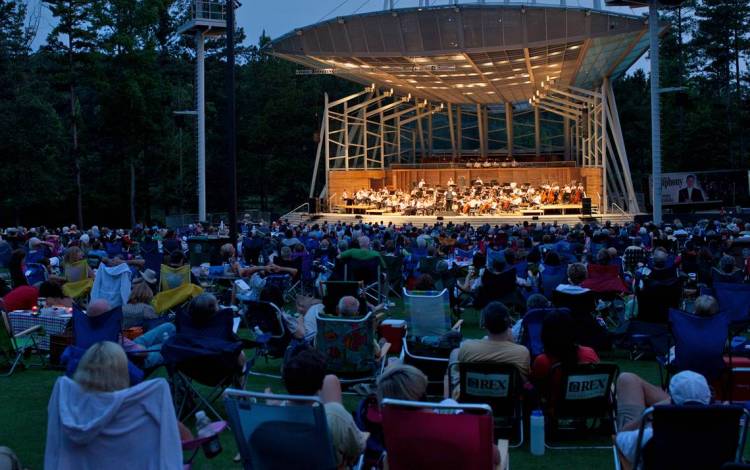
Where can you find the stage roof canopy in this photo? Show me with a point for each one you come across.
(483, 53)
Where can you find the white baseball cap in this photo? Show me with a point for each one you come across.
(689, 387)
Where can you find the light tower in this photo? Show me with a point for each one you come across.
(207, 18)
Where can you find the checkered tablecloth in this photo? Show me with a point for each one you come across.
(52, 324)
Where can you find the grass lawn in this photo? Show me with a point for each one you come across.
(23, 416)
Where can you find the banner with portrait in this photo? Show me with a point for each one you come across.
(724, 187)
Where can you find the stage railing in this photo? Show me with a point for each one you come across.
(296, 209)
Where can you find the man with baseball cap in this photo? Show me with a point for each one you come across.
(634, 395)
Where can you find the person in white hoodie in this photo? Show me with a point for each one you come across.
(95, 421)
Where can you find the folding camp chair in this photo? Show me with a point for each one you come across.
(734, 299)
(464, 254)
(151, 256)
(204, 352)
(35, 273)
(427, 316)
(581, 402)
(172, 278)
(439, 439)
(16, 346)
(394, 274)
(657, 297)
(531, 328)
(285, 283)
(335, 290)
(271, 335)
(349, 347)
(368, 272)
(279, 431)
(582, 309)
(497, 286)
(692, 437)
(551, 277)
(500, 387)
(699, 343)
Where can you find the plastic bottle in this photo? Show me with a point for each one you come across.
(537, 432)
(212, 447)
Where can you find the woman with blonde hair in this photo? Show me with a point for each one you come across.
(103, 368)
(402, 382)
(139, 306)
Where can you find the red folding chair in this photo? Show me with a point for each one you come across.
(430, 435)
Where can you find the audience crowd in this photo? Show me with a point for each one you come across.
(585, 283)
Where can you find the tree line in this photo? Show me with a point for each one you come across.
(88, 132)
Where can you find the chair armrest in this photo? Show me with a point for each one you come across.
(621, 463)
(458, 324)
(384, 356)
(28, 331)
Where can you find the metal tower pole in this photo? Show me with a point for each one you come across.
(231, 125)
(200, 98)
(653, 33)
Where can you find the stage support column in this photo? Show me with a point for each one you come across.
(382, 140)
(480, 128)
(566, 138)
(509, 127)
(486, 128)
(398, 138)
(327, 144)
(537, 132)
(420, 130)
(429, 134)
(459, 131)
(604, 105)
(346, 135)
(452, 132)
(653, 52)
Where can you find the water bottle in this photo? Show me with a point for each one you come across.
(537, 432)
(212, 447)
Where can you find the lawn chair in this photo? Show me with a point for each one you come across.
(394, 274)
(35, 273)
(692, 437)
(349, 347)
(152, 257)
(584, 398)
(497, 286)
(464, 254)
(172, 278)
(605, 280)
(427, 316)
(272, 336)
(734, 299)
(285, 283)
(551, 277)
(335, 290)
(17, 346)
(656, 298)
(270, 435)
(699, 343)
(170, 301)
(500, 387)
(531, 329)
(418, 438)
(582, 309)
(369, 274)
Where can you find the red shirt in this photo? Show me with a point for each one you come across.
(543, 363)
(20, 298)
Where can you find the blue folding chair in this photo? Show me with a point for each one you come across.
(270, 435)
(152, 257)
(35, 273)
(466, 254)
(113, 249)
(734, 300)
(494, 255)
(531, 328)
(551, 277)
(699, 342)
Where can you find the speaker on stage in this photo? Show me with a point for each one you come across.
(586, 206)
(314, 203)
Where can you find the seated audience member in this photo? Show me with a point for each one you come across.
(54, 295)
(305, 374)
(576, 275)
(560, 348)
(363, 253)
(634, 395)
(177, 260)
(150, 341)
(534, 302)
(727, 271)
(139, 306)
(20, 298)
(91, 425)
(17, 268)
(497, 346)
(706, 306)
(285, 263)
(202, 310)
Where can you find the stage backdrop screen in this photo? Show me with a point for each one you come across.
(727, 187)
